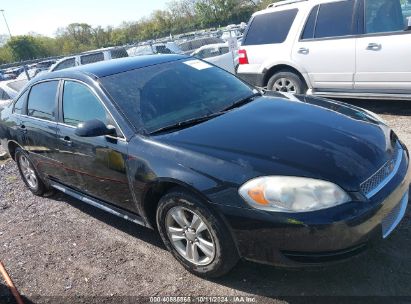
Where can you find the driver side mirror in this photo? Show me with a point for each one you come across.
(94, 128)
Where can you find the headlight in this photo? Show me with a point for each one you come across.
(292, 194)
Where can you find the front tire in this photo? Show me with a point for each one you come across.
(196, 237)
(287, 82)
(29, 174)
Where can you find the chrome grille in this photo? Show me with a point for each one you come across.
(374, 183)
(394, 217)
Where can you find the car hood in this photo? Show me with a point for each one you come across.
(308, 137)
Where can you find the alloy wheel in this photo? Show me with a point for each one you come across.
(285, 85)
(190, 236)
(28, 172)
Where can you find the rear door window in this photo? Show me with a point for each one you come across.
(42, 100)
(308, 32)
(270, 28)
(118, 53)
(335, 19)
(91, 58)
(69, 63)
(386, 16)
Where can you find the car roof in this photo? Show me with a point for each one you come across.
(114, 66)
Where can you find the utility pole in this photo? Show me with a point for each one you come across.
(5, 20)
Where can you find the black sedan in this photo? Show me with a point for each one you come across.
(222, 170)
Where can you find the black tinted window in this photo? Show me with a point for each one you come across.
(42, 100)
(270, 28)
(118, 53)
(18, 106)
(224, 50)
(308, 32)
(86, 59)
(197, 43)
(69, 63)
(80, 105)
(207, 53)
(165, 94)
(162, 49)
(334, 19)
(384, 16)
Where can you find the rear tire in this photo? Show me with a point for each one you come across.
(29, 174)
(196, 237)
(287, 82)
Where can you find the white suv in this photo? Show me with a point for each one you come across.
(335, 48)
(89, 57)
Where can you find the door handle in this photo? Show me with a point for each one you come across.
(23, 129)
(66, 140)
(374, 47)
(303, 51)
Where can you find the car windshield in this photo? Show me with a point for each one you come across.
(166, 94)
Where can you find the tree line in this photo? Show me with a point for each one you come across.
(180, 16)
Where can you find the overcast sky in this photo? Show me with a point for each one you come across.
(45, 16)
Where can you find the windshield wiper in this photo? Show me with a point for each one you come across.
(194, 121)
(186, 123)
(242, 101)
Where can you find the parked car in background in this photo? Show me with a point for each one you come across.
(9, 90)
(14, 72)
(45, 64)
(32, 71)
(5, 76)
(236, 33)
(154, 48)
(189, 46)
(218, 54)
(89, 57)
(338, 48)
(222, 171)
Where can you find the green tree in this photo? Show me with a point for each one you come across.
(179, 16)
(27, 47)
(5, 55)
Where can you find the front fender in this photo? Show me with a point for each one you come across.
(151, 162)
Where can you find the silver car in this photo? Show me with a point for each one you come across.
(9, 89)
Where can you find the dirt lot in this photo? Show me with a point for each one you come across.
(58, 250)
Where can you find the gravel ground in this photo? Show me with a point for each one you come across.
(58, 249)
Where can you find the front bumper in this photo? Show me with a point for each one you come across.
(321, 236)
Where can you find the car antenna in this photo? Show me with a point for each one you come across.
(27, 73)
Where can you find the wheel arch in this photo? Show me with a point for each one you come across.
(156, 190)
(12, 146)
(162, 186)
(269, 72)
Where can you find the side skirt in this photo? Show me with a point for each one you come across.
(359, 95)
(100, 205)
